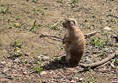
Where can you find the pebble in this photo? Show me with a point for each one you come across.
(25, 73)
(114, 82)
(3, 62)
(43, 57)
(5, 69)
(81, 79)
(43, 73)
(88, 61)
(107, 28)
(73, 81)
(17, 60)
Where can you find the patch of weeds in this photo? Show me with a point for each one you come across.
(45, 8)
(74, 3)
(91, 78)
(57, 59)
(27, 0)
(116, 61)
(34, 27)
(34, 9)
(59, 1)
(35, 1)
(17, 48)
(17, 44)
(97, 42)
(5, 10)
(18, 17)
(109, 42)
(55, 26)
(38, 69)
(17, 25)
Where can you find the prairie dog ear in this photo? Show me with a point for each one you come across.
(73, 22)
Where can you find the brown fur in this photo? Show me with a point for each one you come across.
(74, 41)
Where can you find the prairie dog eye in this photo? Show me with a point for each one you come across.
(68, 21)
(72, 22)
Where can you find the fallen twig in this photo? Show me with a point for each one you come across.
(60, 39)
(52, 37)
(96, 64)
(113, 16)
(90, 34)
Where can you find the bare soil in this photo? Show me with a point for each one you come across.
(25, 21)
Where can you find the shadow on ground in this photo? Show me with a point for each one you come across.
(57, 64)
(61, 63)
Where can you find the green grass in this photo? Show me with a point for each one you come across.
(34, 27)
(54, 26)
(38, 69)
(17, 48)
(74, 3)
(17, 25)
(97, 42)
(5, 10)
(59, 1)
(116, 61)
(91, 78)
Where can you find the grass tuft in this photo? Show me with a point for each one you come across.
(38, 69)
(5, 10)
(74, 3)
(34, 27)
(97, 42)
(17, 48)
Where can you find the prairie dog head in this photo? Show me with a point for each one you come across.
(69, 23)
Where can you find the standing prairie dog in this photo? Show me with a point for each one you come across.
(74, 42)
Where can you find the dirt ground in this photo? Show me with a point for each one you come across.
(26, 56)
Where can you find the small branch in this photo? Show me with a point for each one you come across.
(42, 35)
(96, 64)
(51, 37)
(60, 39)
(113, 16)
(90, 34)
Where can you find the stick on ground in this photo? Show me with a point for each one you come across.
(96, 64)
(60, 39)
(90, 34)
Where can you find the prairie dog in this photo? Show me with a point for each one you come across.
(74, 41)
